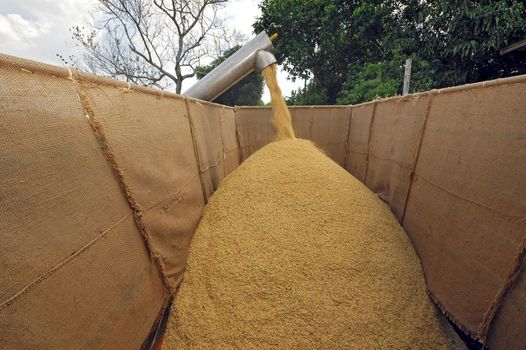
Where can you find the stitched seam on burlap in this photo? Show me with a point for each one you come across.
(217, 162)
(175, 197)
(223, 154)
(488, 317)
(311, 124)
(369, 143)
(471, 201)
(98, 131)
(490, 314)
(61, 264)
(347, 143)
(240, 156)
(196, 150)
(412, 176)
(416, 156)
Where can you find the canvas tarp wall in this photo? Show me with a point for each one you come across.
(466, 208)
(104, 182)
(75, 270)
(214, 130)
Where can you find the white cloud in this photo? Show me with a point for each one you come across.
(16, 30)
(241, 14)
(39, 29)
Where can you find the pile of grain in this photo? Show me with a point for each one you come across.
(292, 252)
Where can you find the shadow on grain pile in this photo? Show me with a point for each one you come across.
(293, 252)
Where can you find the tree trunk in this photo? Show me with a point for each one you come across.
(178, 86)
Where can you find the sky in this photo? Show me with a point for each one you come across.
(39, 29)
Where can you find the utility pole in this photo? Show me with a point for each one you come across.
(407, 76)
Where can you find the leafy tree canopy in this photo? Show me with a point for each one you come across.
(354, 50)
(312, 94)
(246, 92)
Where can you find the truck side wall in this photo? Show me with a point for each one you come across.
(103, 184)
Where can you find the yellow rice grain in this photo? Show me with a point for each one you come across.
(293, 252)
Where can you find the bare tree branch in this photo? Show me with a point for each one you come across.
(153, 43)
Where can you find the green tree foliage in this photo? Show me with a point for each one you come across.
(312, 94)
(246, 92)
(354, 51)
(469, 34)
(313, 39)
(372, 81)
(383, 79)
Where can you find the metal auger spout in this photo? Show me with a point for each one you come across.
(255, 55)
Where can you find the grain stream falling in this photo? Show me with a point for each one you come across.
(281, 115)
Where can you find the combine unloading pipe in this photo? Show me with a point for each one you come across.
(257, 54)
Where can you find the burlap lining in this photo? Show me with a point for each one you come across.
(137, 209)
(83, 81)
(356, 151)
(489, 316)
(482, 332)
(417, 154)
(196, 151)
(368, 155)
(223, 156)
(196, 139)
(55, 268)
(134, 204)
(110, 157)
(240, 156)
(449, 315)
(347, 148)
